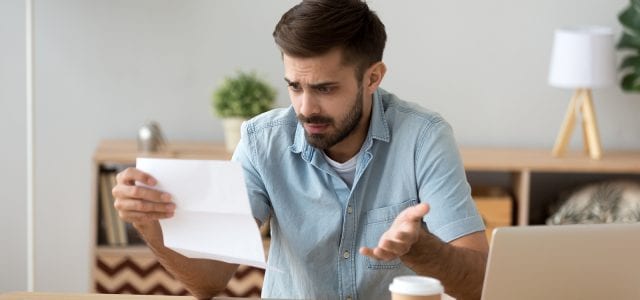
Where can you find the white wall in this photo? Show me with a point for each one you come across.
(106, 66)
(13, 228)
(484, 64)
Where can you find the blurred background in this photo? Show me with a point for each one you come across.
(105, 67)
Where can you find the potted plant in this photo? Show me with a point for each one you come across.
(238, 99)
(630, 66)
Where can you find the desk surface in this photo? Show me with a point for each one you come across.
(72, 296)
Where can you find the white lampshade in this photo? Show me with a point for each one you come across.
(583, 57)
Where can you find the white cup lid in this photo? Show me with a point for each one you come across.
(416, 285)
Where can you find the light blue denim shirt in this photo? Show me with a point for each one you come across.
(318, 223)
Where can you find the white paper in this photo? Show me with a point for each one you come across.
(213, 217)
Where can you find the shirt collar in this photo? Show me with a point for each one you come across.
(378, 129)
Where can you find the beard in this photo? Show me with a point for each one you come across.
(343, 128)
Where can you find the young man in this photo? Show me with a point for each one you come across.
(358, 185)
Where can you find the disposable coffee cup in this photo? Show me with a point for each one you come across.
(416, 288)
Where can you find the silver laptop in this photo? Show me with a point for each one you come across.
(564, 262)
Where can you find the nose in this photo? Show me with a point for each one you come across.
(308, 104)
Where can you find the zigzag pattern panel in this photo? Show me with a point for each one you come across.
(246, 282)
(135, 274)
(143, 274)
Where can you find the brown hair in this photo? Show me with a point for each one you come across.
(313, 27)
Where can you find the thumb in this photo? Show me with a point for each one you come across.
(416, 212)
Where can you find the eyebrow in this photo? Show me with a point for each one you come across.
(313, 85)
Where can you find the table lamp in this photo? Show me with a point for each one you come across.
(582, 59)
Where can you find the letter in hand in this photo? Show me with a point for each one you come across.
(403, 233)
(137, 203)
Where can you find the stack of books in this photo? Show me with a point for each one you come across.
(113, 231)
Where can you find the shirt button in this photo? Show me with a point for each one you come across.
(349, 209)
(345, 254)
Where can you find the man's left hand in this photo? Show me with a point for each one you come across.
(403, 233)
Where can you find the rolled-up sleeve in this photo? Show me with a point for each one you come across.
(245, 154)
(443, 184)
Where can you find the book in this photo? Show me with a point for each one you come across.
(106, 209)
(121, 233)
(115, 228)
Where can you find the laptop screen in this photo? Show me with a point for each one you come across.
(564, 262)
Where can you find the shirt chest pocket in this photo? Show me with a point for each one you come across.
(377, 222)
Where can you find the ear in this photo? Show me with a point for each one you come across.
(373, 76)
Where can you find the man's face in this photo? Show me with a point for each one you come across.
(326, 97)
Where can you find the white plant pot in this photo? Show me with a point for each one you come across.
(232, 132)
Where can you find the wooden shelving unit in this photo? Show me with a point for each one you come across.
(532, 176)
(524, 164)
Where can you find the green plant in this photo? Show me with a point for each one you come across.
(243, 95)
(630, 66)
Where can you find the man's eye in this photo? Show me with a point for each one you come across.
(295, 87)
(324, 89)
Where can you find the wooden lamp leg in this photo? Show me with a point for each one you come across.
(567, 127)
(585, 138)
(593, 136)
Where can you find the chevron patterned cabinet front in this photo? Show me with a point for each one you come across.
(134, 270)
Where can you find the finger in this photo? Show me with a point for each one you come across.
(366, 251)
(406, 235)
(394, 247)
(134, 216)
(130, 175)
(402, 230)
(384, 255)
(143, 206)
(416, 213)
(140, 192)
(370, 252)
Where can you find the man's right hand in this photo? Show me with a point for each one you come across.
(143, 207)
(139, 204)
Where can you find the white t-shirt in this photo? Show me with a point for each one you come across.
(346, 170)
